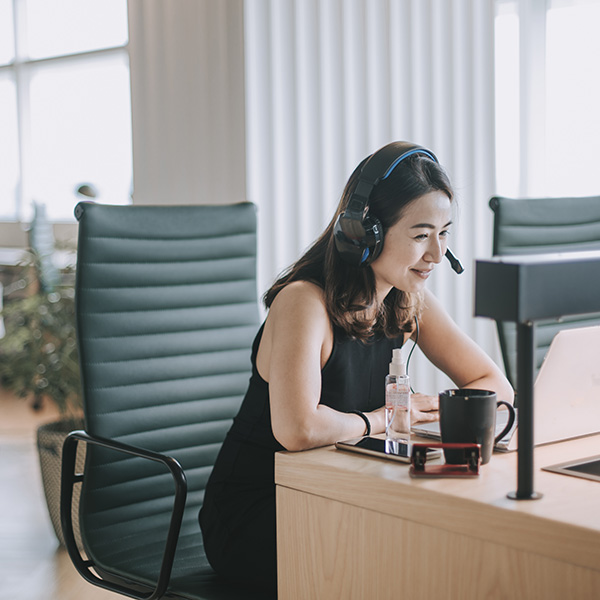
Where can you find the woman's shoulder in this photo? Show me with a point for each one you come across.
(297, 316)
(431, 306)
(300, 305)
(297, 293)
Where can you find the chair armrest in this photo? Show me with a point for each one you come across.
(69, 478)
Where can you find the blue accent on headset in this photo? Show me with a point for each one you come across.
(406, 155)
(365, 255)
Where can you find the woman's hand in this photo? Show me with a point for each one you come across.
(423, 408)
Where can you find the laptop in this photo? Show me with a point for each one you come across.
(566, 393)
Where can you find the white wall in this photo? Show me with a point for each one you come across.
(187, 94)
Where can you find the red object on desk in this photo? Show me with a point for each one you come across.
(469, 468)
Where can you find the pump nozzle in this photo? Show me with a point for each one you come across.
(397, 366)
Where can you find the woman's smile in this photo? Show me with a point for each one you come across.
(422, 273)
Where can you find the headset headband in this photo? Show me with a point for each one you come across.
(379, 166)
(406, 155)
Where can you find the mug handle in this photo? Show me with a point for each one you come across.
(511, 419)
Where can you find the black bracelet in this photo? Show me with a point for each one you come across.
(364, 417)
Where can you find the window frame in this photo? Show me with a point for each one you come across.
(531, 155)
(13, 233)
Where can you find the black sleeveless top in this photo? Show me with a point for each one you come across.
(352, 379)
(240, 494)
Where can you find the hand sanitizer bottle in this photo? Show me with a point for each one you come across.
(397, 400)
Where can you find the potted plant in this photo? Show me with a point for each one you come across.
(39, 360)
(39, 350)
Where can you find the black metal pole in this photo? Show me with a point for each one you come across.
(525, 376)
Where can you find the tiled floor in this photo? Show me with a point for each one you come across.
(32, 565)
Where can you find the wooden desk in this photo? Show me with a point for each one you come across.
(354, 527)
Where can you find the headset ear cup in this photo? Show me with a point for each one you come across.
(349, 241)
(373, 240)
(359, 242)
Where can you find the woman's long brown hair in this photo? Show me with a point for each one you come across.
(350, 290)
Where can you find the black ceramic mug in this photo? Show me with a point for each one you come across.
(469, 417)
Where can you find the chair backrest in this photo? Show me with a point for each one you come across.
(537, 226)
(167, 309)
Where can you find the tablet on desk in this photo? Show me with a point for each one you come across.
(382, 448)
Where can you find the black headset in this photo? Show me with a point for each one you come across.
(358, 235)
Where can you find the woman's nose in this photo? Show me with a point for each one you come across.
(435, 251)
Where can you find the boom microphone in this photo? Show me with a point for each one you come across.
(454, 262)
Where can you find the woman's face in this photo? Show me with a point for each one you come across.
(414, 245)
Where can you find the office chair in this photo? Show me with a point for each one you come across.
(537, 226)
(167, 309)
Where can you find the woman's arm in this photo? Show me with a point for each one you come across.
(452, 351)
(297, 342)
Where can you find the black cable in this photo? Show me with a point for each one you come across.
(413, 349)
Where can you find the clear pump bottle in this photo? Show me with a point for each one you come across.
(397, 400)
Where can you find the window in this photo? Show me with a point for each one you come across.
(64, 105)
(507, 100)
(547, 97)
(573, 99)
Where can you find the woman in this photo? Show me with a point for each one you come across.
(320, 358)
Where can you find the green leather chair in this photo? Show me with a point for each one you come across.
(537, 226)
(167, 310)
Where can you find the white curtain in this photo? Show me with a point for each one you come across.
(330, 81)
